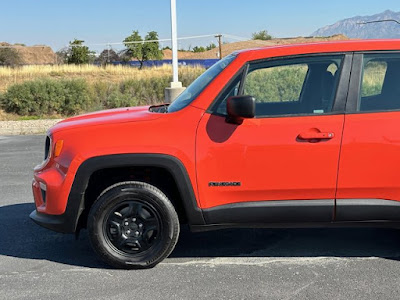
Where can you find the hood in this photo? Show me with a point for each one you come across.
(110, 116)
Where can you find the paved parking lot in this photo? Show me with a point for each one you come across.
(232, 264)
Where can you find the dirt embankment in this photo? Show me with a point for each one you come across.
(231, 47)
(34, 55)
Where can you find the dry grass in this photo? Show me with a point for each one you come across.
(7, 117)
(91, 73)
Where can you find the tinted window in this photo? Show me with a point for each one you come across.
(380, 85)
(290, 87)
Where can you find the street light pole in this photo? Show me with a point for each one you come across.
(174, 42)
(172, 92)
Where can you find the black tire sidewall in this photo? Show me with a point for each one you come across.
(149, 195)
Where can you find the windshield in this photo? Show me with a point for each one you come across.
(199, 84)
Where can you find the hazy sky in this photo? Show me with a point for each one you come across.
(55, 22)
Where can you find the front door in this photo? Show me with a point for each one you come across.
(282, 165)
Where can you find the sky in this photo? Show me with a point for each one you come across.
(55, 22)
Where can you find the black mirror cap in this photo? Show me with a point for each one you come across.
(239, 108)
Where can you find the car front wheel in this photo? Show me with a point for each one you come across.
(133, 225)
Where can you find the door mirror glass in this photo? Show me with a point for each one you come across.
(240, 108)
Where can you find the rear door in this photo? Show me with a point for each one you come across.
(369, 171)
(282, 165)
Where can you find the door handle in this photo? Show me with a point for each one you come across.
(311, 135)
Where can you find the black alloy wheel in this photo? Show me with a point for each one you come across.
(132, 227)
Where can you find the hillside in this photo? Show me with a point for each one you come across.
(35, 55)
(352, 29)
(231, 47)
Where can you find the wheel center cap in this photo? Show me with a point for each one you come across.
(133, 226)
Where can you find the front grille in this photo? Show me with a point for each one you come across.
(47, 148)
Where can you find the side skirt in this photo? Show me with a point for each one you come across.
(355, 224)
(260, 212)
(303, 214)
(367, 210)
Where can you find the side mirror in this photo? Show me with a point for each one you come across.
(239, 108)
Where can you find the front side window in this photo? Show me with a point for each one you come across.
(197, 86)
(380, 84)
(290, 86)
(276, 84)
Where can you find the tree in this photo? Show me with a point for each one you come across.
(62, 55)
(79, 54)
(199, 49)
(9, 57)
(211, 46)
(261, 35)
(142, 51)
(107, 56)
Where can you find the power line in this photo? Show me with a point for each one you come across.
(152, 41)
(379, 21)
(109, 44)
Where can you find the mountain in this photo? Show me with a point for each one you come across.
(350, 28)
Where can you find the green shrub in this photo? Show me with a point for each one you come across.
(76, 97)
(48, 97)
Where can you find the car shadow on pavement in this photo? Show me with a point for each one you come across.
(21, 238)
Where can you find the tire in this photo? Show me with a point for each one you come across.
(133, 225)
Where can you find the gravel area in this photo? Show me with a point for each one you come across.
(26, 127)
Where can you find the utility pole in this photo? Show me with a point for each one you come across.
(219, 36)
(172, 92)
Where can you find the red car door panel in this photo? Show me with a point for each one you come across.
(268, 158)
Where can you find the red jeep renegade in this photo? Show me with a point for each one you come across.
(300, 135)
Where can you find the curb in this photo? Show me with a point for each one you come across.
(26, 127)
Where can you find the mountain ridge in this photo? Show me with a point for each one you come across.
(352, 29)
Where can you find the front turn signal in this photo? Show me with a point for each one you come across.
(58, 147)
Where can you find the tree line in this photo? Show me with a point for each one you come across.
(136, 47)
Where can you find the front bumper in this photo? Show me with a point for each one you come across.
(56, 207)
(60, 223)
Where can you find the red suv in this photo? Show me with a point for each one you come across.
(299, 135)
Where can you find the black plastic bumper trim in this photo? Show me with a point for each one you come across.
(59, 223)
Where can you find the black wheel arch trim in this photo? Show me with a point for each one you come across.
(68, 222)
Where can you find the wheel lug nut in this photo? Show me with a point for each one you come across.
(126, 223)
(140, 225)
(137, 233)
(128, 232)
(133, 219)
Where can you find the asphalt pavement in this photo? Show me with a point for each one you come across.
(36, 263)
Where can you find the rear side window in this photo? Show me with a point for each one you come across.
(380, 84)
